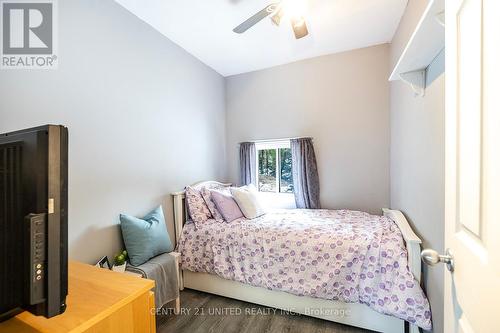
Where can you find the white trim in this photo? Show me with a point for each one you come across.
(360, 315)
(276, 140)
(272, 144)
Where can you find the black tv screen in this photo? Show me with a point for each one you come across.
(34, 221)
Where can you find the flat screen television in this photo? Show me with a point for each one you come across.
(34, 221)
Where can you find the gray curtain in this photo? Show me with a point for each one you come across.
(305, 174)
(248, 163)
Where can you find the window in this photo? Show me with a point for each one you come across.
(274, 167)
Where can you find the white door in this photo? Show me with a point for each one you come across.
(472, 213)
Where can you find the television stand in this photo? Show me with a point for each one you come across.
(99, 300)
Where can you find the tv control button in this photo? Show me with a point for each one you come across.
(39, 277)
(39, 271)
(39, 266)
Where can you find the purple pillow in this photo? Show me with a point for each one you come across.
(196, 206)
(226, 206)
(207, 196)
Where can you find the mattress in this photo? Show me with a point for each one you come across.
(340, 255)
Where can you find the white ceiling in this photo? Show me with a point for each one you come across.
(204, 29)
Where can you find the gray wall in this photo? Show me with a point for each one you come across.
(130, 98)
(342, 101)
(417, 156)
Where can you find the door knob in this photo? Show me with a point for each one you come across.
(432, 257)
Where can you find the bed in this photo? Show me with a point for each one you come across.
(344, 266)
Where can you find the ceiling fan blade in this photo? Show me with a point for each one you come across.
(299, 27)
(256, 18)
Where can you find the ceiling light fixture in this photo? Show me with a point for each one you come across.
(293, 11)
(278, 16)
(299, 27)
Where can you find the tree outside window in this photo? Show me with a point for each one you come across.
(274, 167)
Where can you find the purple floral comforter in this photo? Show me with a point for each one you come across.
(339, 255)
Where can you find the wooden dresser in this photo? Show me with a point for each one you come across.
(99, 300)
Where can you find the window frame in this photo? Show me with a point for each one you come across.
(268, 145)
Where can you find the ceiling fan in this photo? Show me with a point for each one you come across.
(279, 10)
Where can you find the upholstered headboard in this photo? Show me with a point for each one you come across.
(180, 210)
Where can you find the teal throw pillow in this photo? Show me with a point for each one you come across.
(145, 238)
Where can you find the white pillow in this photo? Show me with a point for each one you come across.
(247, 200)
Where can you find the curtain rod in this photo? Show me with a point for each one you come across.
(275, 140)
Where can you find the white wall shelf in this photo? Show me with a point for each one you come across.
(425, 44)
